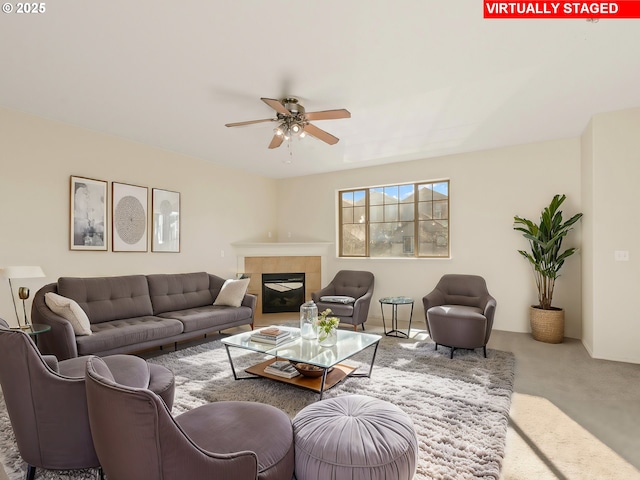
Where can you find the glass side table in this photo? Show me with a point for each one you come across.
(33, 330)
(394, 302)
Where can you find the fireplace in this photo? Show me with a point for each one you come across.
(282, 292)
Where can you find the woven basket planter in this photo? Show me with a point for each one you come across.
(547, 325)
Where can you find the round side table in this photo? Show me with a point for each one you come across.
(33, 330)
(394, 302)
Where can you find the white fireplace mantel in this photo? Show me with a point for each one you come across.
(281, 249)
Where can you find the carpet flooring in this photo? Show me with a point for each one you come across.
(546, 444)
(459, 407)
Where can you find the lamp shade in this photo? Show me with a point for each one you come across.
(22, 272)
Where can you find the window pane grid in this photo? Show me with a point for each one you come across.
(353, 221)
(409, 220)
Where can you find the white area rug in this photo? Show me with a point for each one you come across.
(459, 407)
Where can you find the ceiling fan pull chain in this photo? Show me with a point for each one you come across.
(290, 159)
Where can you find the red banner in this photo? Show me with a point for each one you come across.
(595, 10)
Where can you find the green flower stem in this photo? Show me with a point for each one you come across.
(326, 324)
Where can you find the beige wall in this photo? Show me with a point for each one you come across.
(487, 189)
(219, 205)
(587, 247)
(612, 172)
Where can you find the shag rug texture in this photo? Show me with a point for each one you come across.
(459, 407)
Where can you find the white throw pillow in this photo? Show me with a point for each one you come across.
(337, 299)
(232, 292)
(69, 309)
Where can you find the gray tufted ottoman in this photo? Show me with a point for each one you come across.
(354, 437)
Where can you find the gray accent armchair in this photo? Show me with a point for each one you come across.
(459, 312)
(350, 283)
(137, 438)
(47, 405)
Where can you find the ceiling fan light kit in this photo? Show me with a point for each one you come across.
(290, 128)
(293, 121)
(297, 129)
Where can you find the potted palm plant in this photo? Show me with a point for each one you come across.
(546, 260)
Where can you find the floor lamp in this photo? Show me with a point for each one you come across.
(23, 292)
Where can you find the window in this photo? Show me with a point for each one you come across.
(410, 220)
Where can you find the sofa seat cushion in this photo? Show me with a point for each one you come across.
(72, 367)
(120, 333)
(126, 369)
(208, 316)
(457, 326)
(228, 427)
(337, 309)
(455, 311)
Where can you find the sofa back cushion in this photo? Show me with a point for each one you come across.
(179, 291)
(108, 298)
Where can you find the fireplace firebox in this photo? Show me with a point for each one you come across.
(282, 292)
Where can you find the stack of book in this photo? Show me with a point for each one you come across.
(272, 336)
(282, 368)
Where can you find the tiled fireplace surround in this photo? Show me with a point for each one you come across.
(254, 259)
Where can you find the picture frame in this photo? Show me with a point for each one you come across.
(88, 214)
(166, 221)
(129, 216)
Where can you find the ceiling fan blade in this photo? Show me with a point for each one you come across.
(328, 114)
(249, 122)
(276, 105)
(320, 134)
(276, 141)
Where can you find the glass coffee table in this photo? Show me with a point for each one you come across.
(307, 351)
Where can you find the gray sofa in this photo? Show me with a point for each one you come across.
(137, 312)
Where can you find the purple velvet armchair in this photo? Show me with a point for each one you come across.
(47, 404)
(239, 440)
(459, 312)
(356, 284)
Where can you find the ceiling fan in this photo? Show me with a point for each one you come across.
(294, 121)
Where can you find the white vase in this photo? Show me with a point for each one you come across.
(308, 320)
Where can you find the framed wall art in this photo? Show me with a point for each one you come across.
(88, 207)
(129, 216)
(166, 221)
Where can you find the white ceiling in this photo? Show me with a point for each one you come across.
(421, 78)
